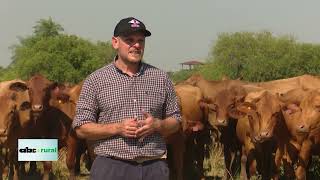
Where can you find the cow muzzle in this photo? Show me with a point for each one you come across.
(302, 129)
(37, 108)
(222, 122)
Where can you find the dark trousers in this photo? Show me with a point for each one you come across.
(105, 168)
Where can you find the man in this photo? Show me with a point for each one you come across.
(128, 107)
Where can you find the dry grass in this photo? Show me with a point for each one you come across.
(60, 170)
(214, 165)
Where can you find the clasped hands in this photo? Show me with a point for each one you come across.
(133, 128)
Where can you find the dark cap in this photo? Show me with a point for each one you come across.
(130, 25)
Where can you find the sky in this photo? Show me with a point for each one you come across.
(182, 30)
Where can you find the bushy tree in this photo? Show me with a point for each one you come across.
(60, 57)
(258, 56)
(263, 56)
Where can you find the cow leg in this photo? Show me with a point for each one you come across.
(1, 168)
(81, 150)
(303, 160)
(178, 149)
(227, 162)
(2, 160)
(277, 161)
(71, 156)
(198, 145)
(90, 155)
(252, 165)
(47, 166)
(33, 168)
(243, 172)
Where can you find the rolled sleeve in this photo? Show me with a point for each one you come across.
(87, 106)
(171, 106)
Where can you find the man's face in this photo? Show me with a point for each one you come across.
(130, 48)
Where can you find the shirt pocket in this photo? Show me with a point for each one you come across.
(152, 100)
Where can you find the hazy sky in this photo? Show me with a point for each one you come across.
(181, 30)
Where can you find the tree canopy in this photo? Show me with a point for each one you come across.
(60, 57)
(260, 56)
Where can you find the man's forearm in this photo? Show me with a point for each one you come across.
(168, 126)
(94, 131)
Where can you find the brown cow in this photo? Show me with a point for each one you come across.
(193, 119)
(51, 122)
(14, 118)
(255, 130)
(65, 99)
(284, 85)
(307, 127)
(221, 109)
(268, 118)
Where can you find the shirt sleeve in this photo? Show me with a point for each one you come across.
(87, 105)
(171, 105)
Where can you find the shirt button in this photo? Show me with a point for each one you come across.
(134, 100)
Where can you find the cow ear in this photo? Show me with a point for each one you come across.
(290, 108)
(241, 110)
(246, 107)
(236, 114)
(18, 86)
(58, 93)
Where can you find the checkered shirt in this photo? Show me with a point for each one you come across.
(109, 96)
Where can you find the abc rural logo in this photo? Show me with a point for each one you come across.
(38, 150)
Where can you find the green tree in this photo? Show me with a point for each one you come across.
(262, 56)
(47, 28)
(258, 56)
(60, 57)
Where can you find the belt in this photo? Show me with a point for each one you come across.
(138, 161)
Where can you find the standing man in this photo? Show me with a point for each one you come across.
(128, 107)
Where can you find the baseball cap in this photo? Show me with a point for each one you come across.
(129, 25)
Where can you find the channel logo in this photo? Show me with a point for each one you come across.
(37, 149)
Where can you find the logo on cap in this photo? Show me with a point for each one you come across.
(134, 23)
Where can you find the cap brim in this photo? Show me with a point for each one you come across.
(146, 32)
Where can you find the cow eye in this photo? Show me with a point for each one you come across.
(25, 105)
(232, 106)
(250, 117)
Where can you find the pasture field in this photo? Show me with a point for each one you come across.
(213, 166)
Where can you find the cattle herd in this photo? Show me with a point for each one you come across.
(268, 126)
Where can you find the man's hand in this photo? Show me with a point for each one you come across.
(128, 128)
(147, 126)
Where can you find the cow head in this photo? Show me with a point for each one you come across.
(292, 111)
(263, 113)
(38, 87)
(310, 112)
(65, 98)
(223, 106)
(15, 106)
(194, 79)
(192, 115)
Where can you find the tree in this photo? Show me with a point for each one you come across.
(47, 28)
(258, 56)
(60, 57)
(262, 56)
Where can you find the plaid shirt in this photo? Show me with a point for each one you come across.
(109, 96)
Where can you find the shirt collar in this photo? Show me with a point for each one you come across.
(142, 67)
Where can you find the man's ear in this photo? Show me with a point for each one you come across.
(115, 42)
